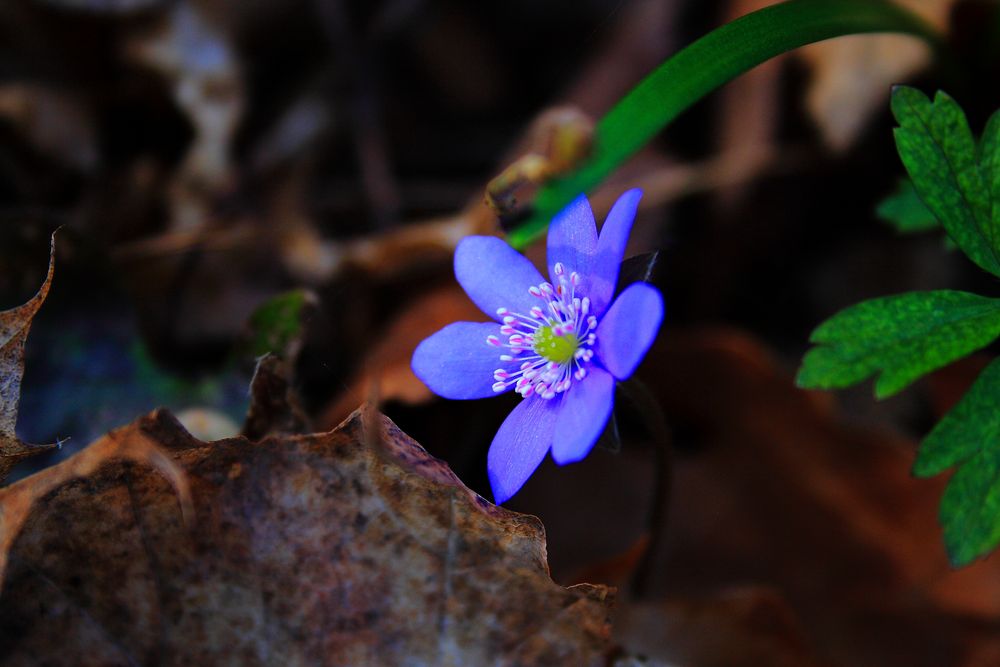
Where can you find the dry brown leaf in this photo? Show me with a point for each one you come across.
(14, 326)
(19, 500)
(307, 550)
(561, 138)
(851, 76)
(274, 405)
(789, 494)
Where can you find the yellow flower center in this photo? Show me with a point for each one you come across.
(559, 349)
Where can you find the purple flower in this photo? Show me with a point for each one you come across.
(560, 344)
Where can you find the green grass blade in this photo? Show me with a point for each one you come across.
(697, 70)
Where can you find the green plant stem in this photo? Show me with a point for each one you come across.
(700, 68)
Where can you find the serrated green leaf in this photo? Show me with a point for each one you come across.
(900, 337)
(989, 160)
(938, 150)
(968, 437)
(904, 210)
(970, 509)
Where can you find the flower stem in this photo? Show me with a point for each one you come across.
(656, 521)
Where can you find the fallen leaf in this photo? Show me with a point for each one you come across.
(851, 76)
(306, 550)
(561, 138)
(741, 627)
(786, 492)
(14, 326)
(18, 500)
(274, 405)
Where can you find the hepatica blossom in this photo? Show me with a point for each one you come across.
(559, 343)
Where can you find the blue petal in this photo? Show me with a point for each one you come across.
(573, 239)
(520, 445)
(457, 362)
(611, 249)
(629, 328)
(494, 275)
(583, 414)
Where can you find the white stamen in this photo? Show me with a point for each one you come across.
(564, 314)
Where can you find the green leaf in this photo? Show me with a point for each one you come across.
(700, 68)
(900, 337)
(989, 160)
(968, 437)
(939, 152)
(904, 210)
(277, 324)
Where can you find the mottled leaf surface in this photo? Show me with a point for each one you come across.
(353, 547)
(940, 154)
(14, 326)
(898, 337)
(968, 439)
(989, 159)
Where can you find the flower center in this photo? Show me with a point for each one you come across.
(559, 349)
(549, 347)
